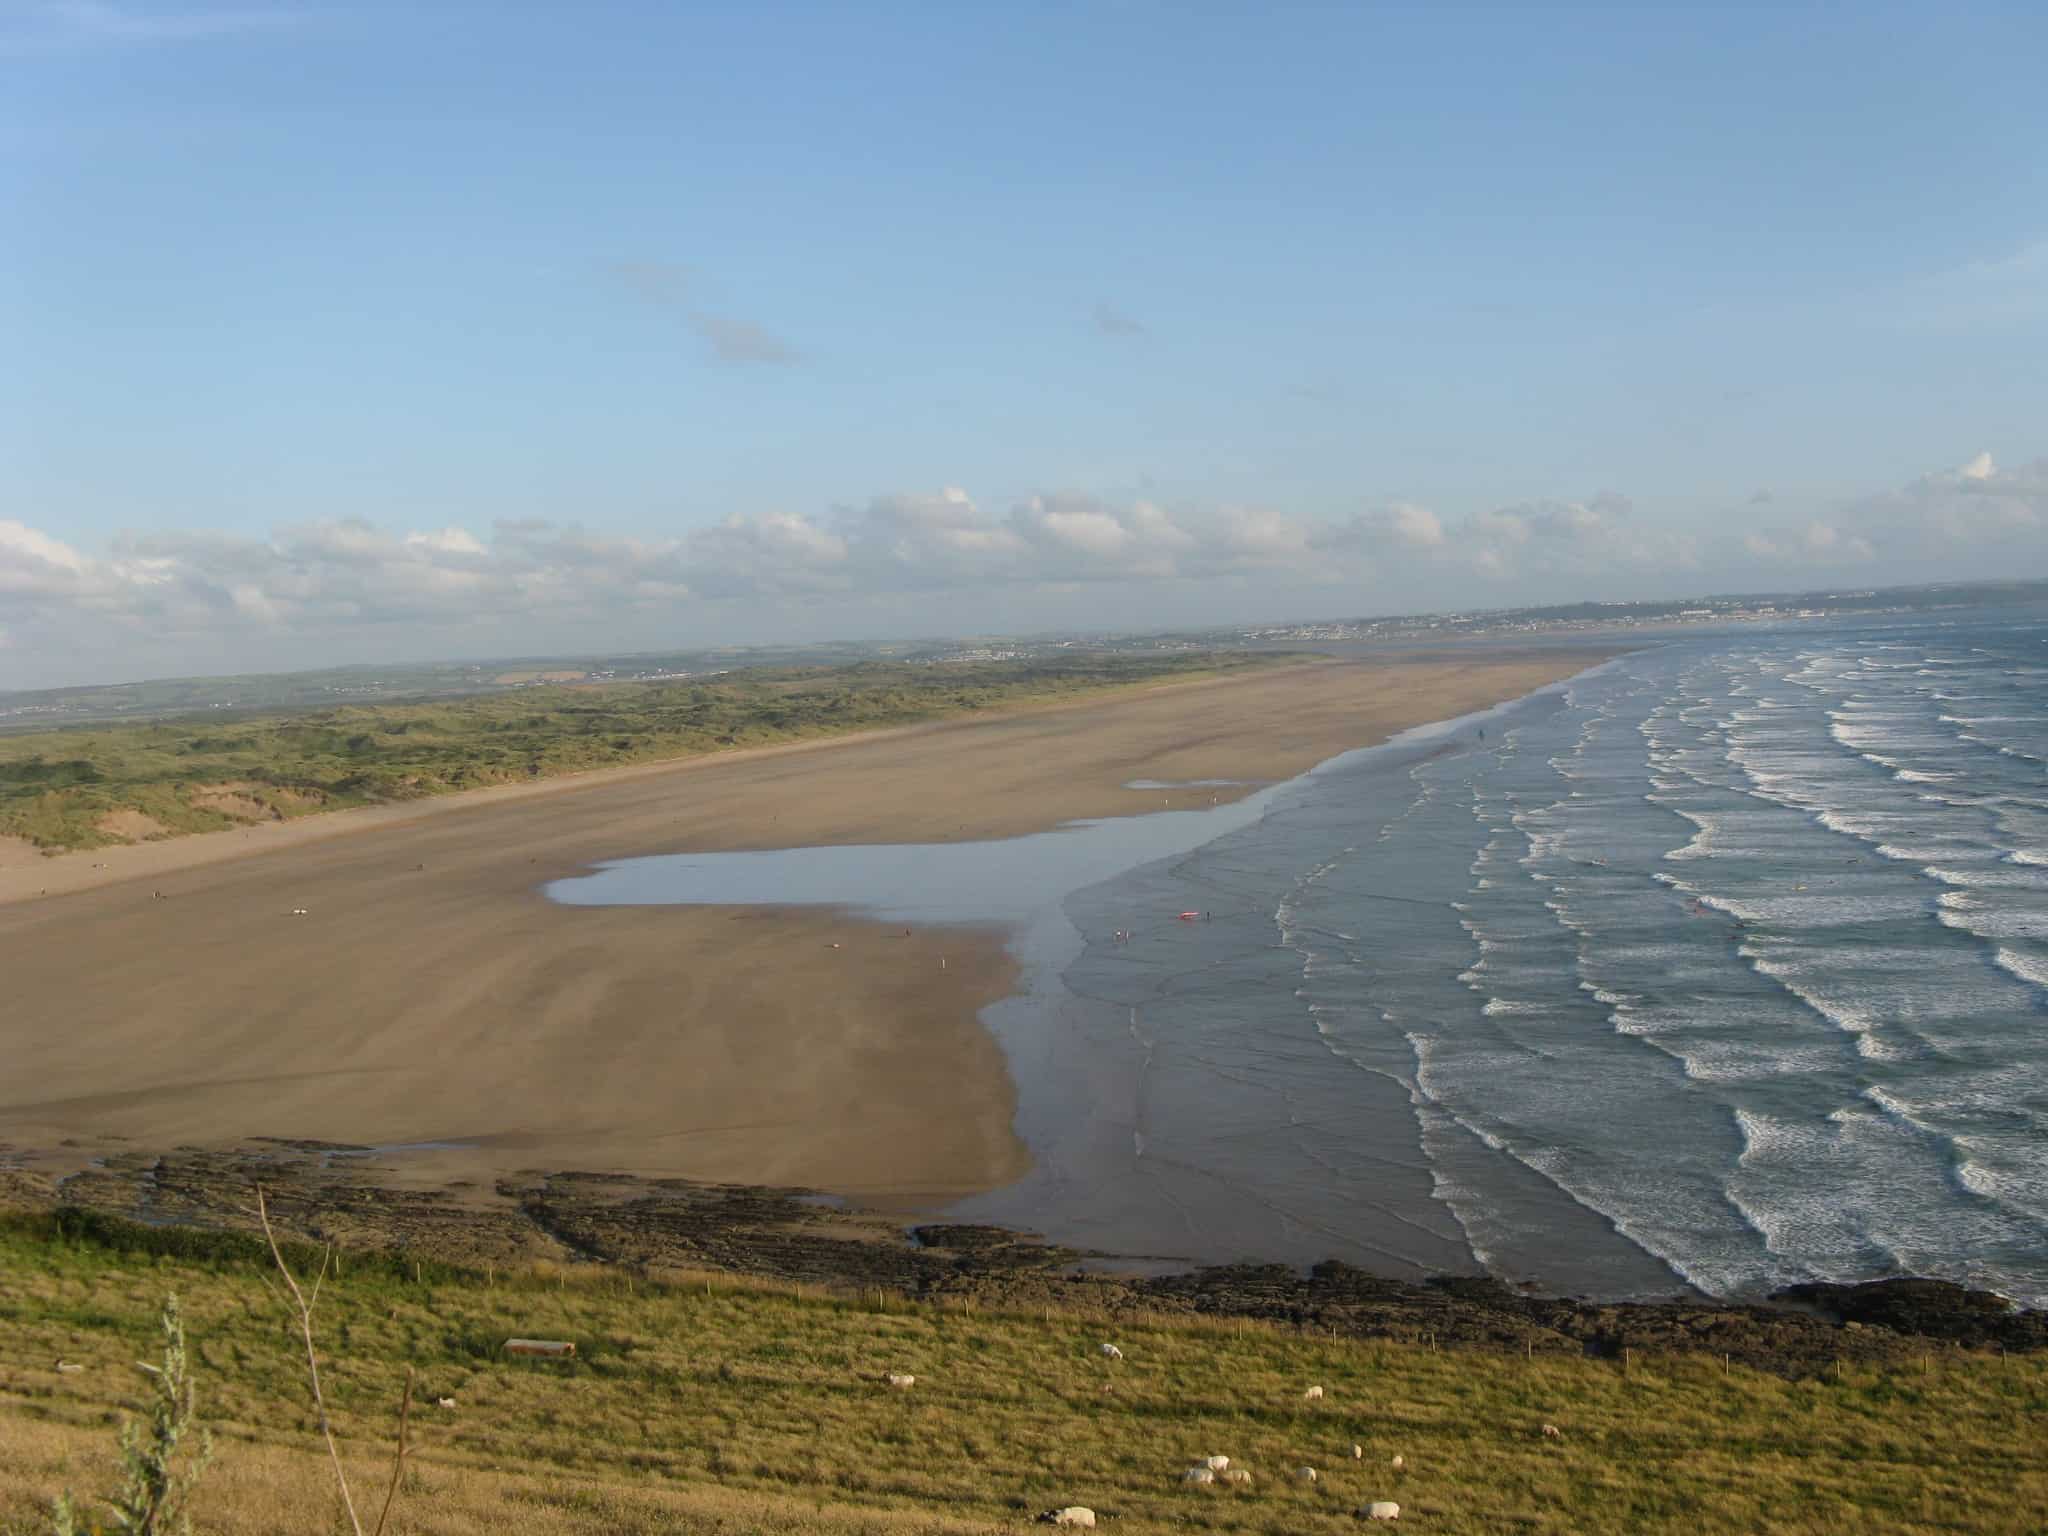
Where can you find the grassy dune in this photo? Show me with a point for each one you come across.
(92, 787)
(707, 1404)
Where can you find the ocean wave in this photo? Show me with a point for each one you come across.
(2032, 969)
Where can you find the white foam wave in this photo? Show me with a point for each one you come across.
(2029, 968)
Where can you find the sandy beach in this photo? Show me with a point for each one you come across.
(431, 997)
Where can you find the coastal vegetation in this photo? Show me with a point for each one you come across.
(131, 781)
(700, 1402)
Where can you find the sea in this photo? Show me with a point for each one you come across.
(1719, 967)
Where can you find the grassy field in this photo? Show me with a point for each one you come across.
(87, 788)
(708, 1404)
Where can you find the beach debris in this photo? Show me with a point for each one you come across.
(831, 946)
(1111, 1352)
(68, 1368)
(1312, 1395)
(1238, 1476)
(1305, 1475)
(1358, 1453)
(1216, 1463)
(300, 912)
(1380, 1509)
(1201, 1477)
(547, 1349)
(1075, 1517)
(1552, 1432)
(1191, 917)
(902, 1381)
(1399, 1462)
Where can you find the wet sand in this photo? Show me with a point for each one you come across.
(430, 994)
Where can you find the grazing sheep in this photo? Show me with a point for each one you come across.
(1305, 1474)
(1313, 1395)
(1239, 1477)
(66, 1368)
(1075, 1517)
(1380, 1509)
(1216, 1463)
(1358, 1453)
(447, 1402)
(1111, 1352)
(900, 1381)
(1551, 1432)
(1201, 1477)
(1400, 1462)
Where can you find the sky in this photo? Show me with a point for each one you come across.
(355, 332)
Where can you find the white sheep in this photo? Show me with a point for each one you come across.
(1552, 1432)
(901, 1382)
(1380, 1509)
(1358, 1453)
(1111, 1352)
(1399, 1462)
(1216, 1463)
(67, 1368)
(1313, 1395)
(1201, 1477)
(1075, 1517)
(1239, 1477)
(447, 1402)
(1305, 1474)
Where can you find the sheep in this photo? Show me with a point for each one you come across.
(1239, 1477)
(1380, 1509)
(1305, 1474)
(67, 1368)
(1216, 1463)
(1399, 1462)
(1111, 1352)
(1313, 1395)
(447, 1402)
(1552, 1432)
(1075, 1517)
(901, 1382)
(1201, 1477)
(1358, 1453)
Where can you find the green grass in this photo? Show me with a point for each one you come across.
(57, 788)
(714, 1404)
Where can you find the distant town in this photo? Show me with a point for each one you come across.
(260, 692)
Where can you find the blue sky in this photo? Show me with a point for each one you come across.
(789, 322)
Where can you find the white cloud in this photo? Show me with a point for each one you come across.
(314, 584)
(1567, 539)
(447, 541)
(1973, 505)
(32, 561)
(1415, 526)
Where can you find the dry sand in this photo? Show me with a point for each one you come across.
(432, 995)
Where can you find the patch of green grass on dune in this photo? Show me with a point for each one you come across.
(710, 1403)
(68, 789)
